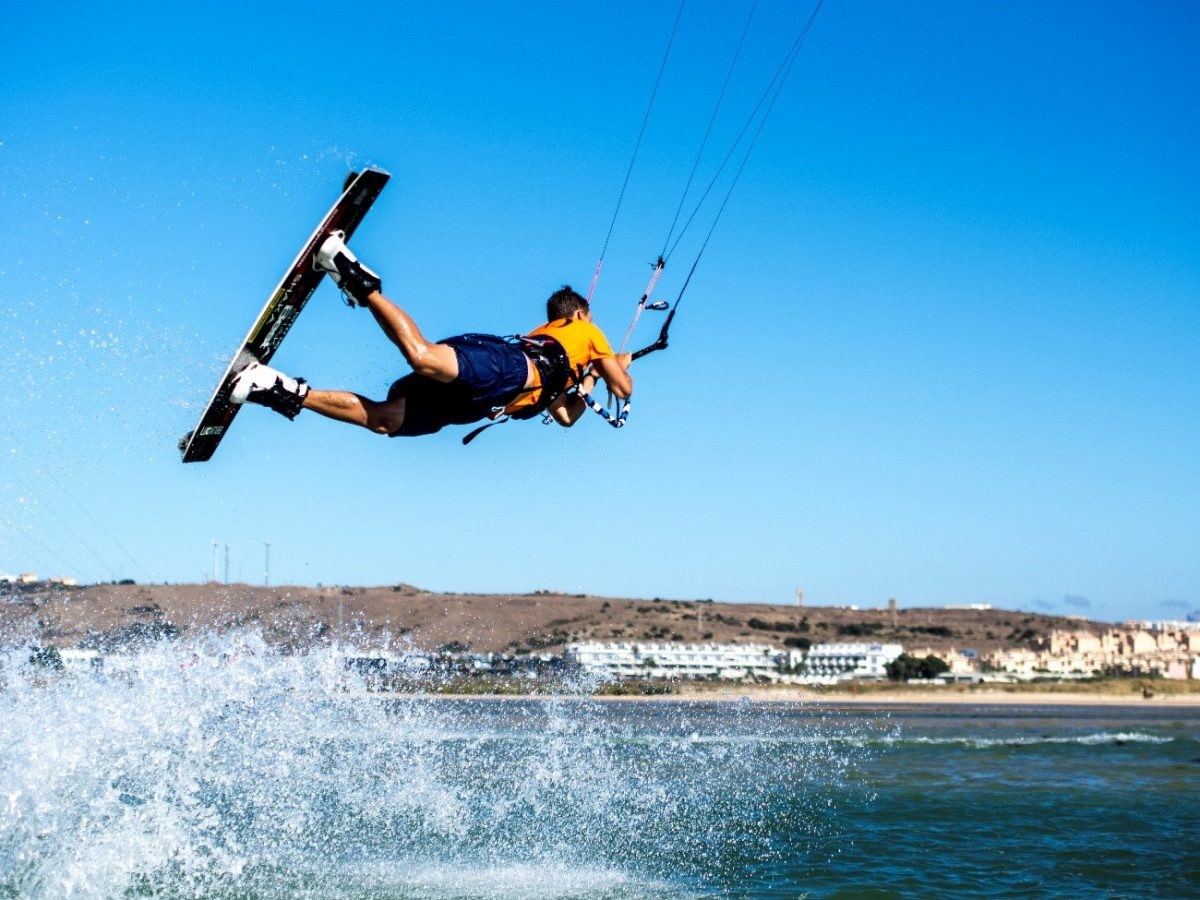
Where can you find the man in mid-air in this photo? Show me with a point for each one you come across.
(457, 381)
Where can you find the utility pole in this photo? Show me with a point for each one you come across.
(216, 544)
(267, 565)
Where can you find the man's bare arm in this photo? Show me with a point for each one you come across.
(615, 373)
(567, 409)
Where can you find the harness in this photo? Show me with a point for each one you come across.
(554, 367)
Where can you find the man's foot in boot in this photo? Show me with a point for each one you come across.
(270, 388)
(356, 280)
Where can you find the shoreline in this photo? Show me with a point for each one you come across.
(956, 698)
(882, 699)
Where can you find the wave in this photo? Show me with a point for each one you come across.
(1114, 738)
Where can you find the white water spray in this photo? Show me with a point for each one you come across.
(220, 766)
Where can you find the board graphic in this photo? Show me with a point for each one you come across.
(282, 307)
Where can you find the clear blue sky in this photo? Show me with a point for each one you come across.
(944, 345)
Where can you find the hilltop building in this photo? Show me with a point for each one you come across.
(23, 578)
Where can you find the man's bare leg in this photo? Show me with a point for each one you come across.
(362, 286)
(380, 417)
(436, 361)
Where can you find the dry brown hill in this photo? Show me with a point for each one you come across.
(111, 615)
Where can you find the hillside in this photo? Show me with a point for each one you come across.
(109, 616)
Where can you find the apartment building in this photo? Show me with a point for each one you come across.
(1171, 652)
(636, 659)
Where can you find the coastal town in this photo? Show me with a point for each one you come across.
(424, 638)
(1168, 650)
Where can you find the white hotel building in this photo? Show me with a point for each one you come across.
(830, 661)
(822, 664)
(636, 659)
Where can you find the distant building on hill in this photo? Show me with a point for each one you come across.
(1163, 625)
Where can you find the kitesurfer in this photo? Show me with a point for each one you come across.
(461, 379)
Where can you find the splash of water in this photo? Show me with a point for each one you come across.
(223, 767)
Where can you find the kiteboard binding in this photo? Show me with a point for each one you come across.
(282, 307)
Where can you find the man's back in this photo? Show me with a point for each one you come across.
(583, 342)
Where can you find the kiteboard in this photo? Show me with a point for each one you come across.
(280, 312)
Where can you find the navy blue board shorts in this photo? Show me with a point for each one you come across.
(491, 373)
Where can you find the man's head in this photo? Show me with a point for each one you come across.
(565, 303)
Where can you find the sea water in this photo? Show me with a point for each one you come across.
(221, 767)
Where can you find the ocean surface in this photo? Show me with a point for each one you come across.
(221, 768)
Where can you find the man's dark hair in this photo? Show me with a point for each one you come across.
(564, 303)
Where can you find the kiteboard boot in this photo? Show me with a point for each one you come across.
(356, 280)
(270, 388)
